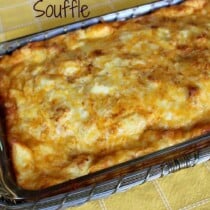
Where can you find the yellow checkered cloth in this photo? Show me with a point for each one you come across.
(18, 17)
(184, 190)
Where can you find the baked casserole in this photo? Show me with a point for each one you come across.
(96, 97)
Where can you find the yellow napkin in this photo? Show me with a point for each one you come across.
(187, 189)
(184, 190)
(18, 17)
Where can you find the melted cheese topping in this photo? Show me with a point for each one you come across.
(93, 98)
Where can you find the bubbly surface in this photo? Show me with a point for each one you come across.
(97, 97)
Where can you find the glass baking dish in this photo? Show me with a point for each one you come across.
(108, 181)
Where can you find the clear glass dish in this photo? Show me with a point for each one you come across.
(107, 181)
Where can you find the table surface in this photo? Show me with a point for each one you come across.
(18, 17)
(183, 190)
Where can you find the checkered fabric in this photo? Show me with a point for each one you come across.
(18, 17)
(184, 190)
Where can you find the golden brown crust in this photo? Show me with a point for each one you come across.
(188, 7)
(93, 98)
